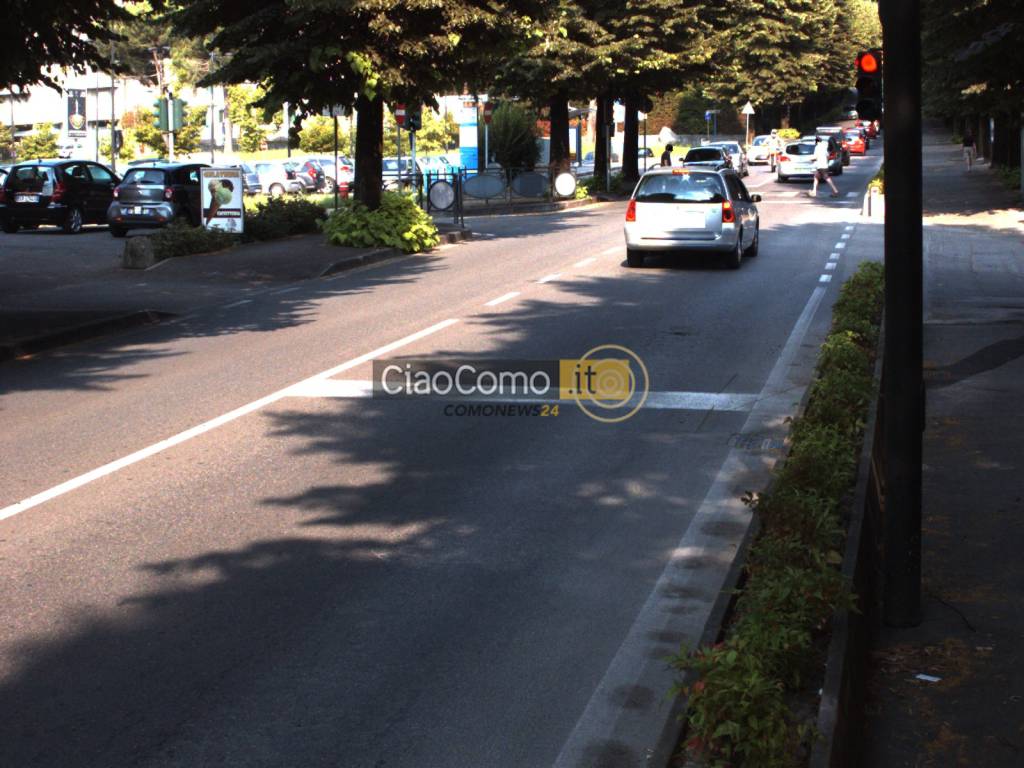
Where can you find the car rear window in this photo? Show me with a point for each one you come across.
(800, 149)
(30, 178)
(760, 140)
(701, 155)
(681, 188)
(264, 168)
(152, 176)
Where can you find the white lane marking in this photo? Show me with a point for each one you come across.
(604, 711)
(288, 290)
(825, 279)
(848, 227)
(238, 303)
(680, 401)
(833, 256)
(484, 235)
(839, 246)
(613, 249)
(851, 194)
(502, 299)
(549, 278)
(845, 235)
(133, 458)
(831, 265)
(584, 262)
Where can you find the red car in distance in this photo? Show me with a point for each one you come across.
(856, 142)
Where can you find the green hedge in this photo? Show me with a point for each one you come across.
(398, 223)
(182, 239)
(737, 714)
(278, 217)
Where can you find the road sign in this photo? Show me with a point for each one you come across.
(75, 124)
(707, 116)
(748, 108)
(221, 190)
(488, 111)
(400, 115)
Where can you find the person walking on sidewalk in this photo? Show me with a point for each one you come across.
(969, 149)
(821, 168)
(666, 156)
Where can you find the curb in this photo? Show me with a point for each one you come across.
(841, 711)
(82, 332)
(384, 254)
(532, 208)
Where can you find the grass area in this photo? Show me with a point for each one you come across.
(739, 706)
(325, 201)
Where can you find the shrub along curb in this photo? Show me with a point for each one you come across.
(738, 711)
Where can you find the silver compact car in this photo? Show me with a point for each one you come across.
(692, 209)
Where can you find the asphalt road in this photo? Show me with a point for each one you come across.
(296, 578)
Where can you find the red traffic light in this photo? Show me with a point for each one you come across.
(867, 63)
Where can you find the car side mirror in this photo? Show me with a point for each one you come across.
(755, 198)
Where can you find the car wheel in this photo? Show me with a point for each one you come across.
(752, 250)
(634, 258)
(10, 227)
(734, 258)
(73, 220)
(276, 190)
(118, 231)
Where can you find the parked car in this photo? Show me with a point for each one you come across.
(308, 178)
(66, 193)
(276, 180)
(343, 174)
(692, 209)
(760, 150)
(155, 195)
(250, 179)
(737, 156)
(712, 158)
(146, 161)
(856, 142)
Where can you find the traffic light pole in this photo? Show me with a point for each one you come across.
(171, 126)
(903, 392)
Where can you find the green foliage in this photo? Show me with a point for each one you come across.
(438, 134)
(141, 127)
(245, 112)
(182, 239)
(7, 144)
(280, 217)
(878, 182)
(187, 139)
(513, 137)
(398, 223)
(129, 146)
(736, 711)
(317, 136)
(40, 144)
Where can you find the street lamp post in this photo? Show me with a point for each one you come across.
(213, 117)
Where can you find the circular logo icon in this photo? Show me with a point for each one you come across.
(565, 184)
(77, 121)
(613, 383)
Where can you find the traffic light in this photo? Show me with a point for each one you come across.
(413, 119)
(869, 84)
(178, 113)
(118, 141)
(160, 112)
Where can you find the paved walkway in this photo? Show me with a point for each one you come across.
(972, 635)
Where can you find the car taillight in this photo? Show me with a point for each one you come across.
(347, 168)
(58, 191)
(116, 193)
(728, 214)
(168, 193)
(631, 211)
(783, 159)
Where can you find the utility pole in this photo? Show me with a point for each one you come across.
(113, 122)
(903, 392)
(213, 118)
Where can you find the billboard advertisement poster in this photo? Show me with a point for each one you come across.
(76, 122)
(221, 189)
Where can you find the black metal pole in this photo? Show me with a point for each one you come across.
(334, 120)
(903, 390)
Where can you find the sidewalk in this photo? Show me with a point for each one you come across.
(972, 633)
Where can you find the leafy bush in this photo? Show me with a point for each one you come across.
(513, 137)
(398, 223)
(278, 217)
(182, 239)
(788, 133)
(878, 182)
(317, 135)
(737, 714)
(40, 144)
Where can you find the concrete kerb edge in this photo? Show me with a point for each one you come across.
(383, 254)
(833, 721)
(81, 332)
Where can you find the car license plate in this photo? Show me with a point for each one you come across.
(26, 198)
(687, 218)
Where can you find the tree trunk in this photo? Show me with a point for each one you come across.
(369, 150)
(631, 140)
(558, 112)
(601, 140)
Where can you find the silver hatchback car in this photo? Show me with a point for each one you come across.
(692, 209)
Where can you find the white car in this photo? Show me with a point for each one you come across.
(760, 150)
(692, 209)
(276, 179)
(795, 161)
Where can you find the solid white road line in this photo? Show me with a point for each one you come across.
(237, 303)
(608, 251)
(680, 401)
(825, 279)
(585, 262)
(502, 299)
(207, 426)
(549, 278)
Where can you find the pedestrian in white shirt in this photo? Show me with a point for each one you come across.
(821, 168)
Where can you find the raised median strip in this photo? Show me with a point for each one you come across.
(60, 333)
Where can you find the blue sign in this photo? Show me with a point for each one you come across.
(707, 116)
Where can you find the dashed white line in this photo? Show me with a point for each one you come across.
(584, 262)
(549, 278)
(502, 299)
(840, 245)
(845, 235)
(613, 249)
(834, 256)
(200, 429)
(825, 278)
(238, 303)
(849, 227)
(831, 265)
